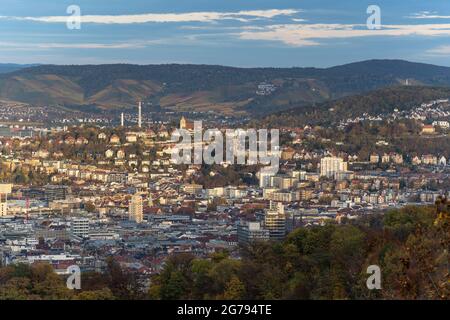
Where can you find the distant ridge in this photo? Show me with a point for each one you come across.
(11, 67)
(202, 87)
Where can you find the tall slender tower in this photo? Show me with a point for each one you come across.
(140, 115)
(122, 120)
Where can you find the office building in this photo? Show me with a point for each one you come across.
(248, 232)
(275, 222)
(80, 227)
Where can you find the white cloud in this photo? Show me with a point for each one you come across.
(243, 16)
(308, 34)
(89, 45)
(428, 15)
(440, 51)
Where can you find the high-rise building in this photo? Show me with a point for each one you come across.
(122, 119)
(80, 227)
(329, 166)
(265, 178)
(275, 222)
(5, 189)
(136, 209)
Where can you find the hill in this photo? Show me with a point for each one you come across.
(255, 91)
(381, 101)
(11, 67)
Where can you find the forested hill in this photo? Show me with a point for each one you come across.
(11, 67)
(203, 87)
(381, 101)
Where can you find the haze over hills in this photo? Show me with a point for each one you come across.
(11, 67)
(202, 87)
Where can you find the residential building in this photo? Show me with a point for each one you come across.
(329, 166)
(136, 209)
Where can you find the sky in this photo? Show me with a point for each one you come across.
(244, 33)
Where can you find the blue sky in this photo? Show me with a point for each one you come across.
(247, 33)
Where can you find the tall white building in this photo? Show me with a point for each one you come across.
(5, 189)
(80, 227)
(122, 119)
(264, 178)
(136, 209)
(329, 166)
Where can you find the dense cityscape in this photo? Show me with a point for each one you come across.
(80, 194)
(222, 158)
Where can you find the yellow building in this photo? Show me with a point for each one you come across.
(428, 129)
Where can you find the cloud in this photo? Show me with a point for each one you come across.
(299, 35)
(243, 16)
(428, 15)
(439, 51)
(89, 45)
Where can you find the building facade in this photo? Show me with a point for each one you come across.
(136, 209)
(329, 166)
(275, 222)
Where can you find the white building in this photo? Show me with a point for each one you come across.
(264, 178)
(329, 166)
(441, 124)
(80, 227)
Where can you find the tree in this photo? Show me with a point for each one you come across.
(234, 290)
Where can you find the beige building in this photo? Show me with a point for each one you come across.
(374, 158)
(5, 189)
(136, 209)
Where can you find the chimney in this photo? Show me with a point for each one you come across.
(140, 115)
